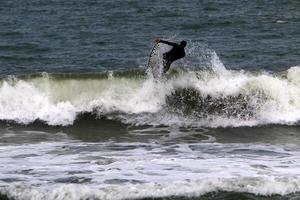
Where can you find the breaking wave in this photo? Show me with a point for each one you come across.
(211, 98)
(265, 187)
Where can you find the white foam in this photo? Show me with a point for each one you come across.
(275, 99)
(187, 170)
(23, 103)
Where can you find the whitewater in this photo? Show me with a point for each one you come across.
(76, 170)
(202, 98)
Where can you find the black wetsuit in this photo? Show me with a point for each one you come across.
(175, 53)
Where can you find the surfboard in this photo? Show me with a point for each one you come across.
(155, 62)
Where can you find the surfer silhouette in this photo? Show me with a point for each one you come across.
(175, 53)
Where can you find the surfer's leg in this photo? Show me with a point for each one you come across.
(167, 65)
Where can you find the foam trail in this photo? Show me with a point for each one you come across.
(52, 169)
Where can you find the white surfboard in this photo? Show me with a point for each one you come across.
(155, 62)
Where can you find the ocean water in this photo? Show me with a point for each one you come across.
(82, 118)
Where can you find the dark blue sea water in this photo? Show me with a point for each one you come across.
(81, 116)
(79, 36)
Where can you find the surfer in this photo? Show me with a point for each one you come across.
(175, 53)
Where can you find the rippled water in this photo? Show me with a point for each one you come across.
(79, 36)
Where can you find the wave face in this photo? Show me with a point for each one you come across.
(211, 98)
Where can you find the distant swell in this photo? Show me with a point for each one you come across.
(210, 98)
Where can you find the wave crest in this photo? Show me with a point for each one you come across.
(185, 98)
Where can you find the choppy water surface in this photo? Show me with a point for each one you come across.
(80, 118)
(80, 36)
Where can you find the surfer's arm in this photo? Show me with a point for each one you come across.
(168, 43)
